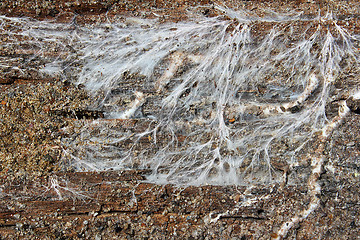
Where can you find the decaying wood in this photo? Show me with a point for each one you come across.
(121, 204)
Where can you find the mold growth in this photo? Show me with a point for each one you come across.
(208, 101)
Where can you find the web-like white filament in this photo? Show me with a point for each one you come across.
(225, 101)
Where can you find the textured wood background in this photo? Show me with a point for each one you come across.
(119, 205)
